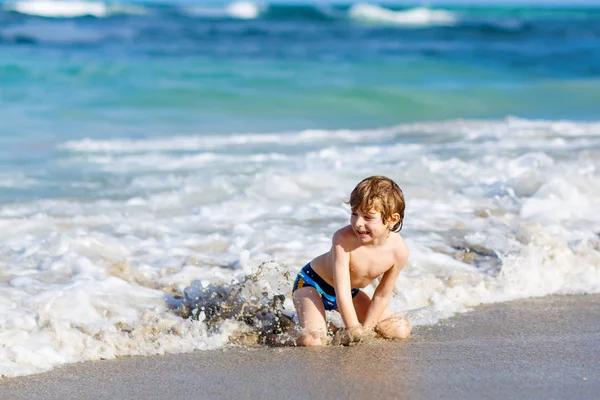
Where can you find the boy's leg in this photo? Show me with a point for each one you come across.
(311, 315)
(390, 326)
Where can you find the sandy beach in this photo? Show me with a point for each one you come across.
(546, 348)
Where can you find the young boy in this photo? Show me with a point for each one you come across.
(368, 248)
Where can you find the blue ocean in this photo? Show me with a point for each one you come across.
(147, 146)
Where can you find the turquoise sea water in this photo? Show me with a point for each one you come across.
(145, 70)
(145, 146)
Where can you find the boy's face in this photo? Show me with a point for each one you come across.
(369, 225)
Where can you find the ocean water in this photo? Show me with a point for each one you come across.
(148, 145)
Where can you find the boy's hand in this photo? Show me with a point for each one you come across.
(357, 333)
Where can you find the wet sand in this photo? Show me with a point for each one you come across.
(546, 348)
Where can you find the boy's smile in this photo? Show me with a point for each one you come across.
(362, 233)
(367, 226)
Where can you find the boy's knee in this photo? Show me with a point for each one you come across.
(393, 328)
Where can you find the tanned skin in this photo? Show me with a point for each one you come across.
(360, 253)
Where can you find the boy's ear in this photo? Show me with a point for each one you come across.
(395, 217)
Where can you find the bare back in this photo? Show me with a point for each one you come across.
(366, 262)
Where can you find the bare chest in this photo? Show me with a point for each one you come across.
(365, 267)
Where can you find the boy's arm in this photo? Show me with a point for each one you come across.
(382, 295)
(341, 281)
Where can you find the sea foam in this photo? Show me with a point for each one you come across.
(497, 210)
(420, 16)
(71, 9)
(59, 9)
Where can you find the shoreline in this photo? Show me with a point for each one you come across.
(535, 348)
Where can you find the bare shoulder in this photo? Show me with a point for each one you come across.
(400, 250)
(344, 237)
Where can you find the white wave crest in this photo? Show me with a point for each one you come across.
(237, 10)
(212, 142)
(243, 10)
(420, 16)
(536, 132)
(71, 9)
(60, 9)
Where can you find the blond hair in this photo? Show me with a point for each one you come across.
(382, 194)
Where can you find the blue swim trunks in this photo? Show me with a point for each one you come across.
(308, 277)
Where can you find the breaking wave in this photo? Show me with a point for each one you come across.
(72, 9)
(420, 16)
